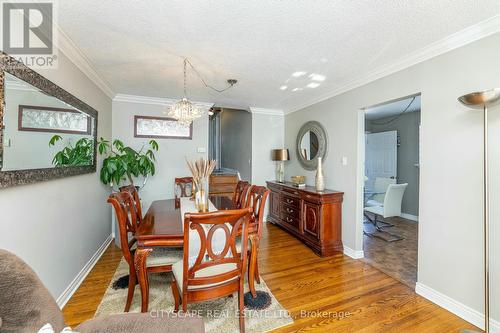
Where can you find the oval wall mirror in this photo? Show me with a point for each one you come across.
(312, 142)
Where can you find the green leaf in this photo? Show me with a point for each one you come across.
(154, 144)
(54, 139)
(118, 145)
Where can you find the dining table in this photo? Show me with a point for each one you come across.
(162, 226)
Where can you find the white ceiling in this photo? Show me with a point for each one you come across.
(393, 108)
(138, 46)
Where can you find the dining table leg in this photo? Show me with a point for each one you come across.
(254, 247)
(140, 260)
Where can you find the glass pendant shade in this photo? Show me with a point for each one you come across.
(184, 111)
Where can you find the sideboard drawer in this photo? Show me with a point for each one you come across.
(289, 200)
(291, 191)
(290, 210)
(290, 221)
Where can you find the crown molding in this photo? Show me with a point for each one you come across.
(274, 112)
(466, 36)
(77, 57)
(155, 100)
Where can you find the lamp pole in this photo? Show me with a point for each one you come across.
(482, 100)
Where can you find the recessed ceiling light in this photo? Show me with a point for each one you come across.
(317, 77)
(283, 87)
(313, 85)
(296, 89)
(299, 74)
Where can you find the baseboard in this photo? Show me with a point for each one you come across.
(410, 217)
(353, 253)
(474, 317)
(73, 286)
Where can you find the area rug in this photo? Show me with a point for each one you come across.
(261, 315)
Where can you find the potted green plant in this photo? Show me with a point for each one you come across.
(122, 163)
(79, 154)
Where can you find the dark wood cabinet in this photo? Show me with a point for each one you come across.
(313, 217)
(274, 199)
(222, 184)
(311, 214)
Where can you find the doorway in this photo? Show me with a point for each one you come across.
(230, 141)
(391, 187)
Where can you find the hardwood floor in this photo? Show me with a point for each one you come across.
(86, 299)
(335, 294)
(398, 259)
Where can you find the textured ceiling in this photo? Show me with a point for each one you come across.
(283, 53)
(393, 108)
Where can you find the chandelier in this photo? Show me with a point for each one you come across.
(184, 111)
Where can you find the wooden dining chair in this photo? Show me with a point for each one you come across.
(257, 197)
(183, 188)
(240, 194)
(159, 260)
(132, 190)
(218, 270)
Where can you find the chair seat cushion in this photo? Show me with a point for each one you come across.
(177, 269)
(373, 203)
(142, 322)
(379, 210)
(161, 256)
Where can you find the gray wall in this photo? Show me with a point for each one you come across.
(407, 126)
(58, 225)
(450, 208)
(236, 141)
(172, 153)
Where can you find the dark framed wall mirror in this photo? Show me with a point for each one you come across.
(45, 132)
(312, 142)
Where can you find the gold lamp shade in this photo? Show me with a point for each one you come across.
(280, 155)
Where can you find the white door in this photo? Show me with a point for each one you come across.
(381, 156)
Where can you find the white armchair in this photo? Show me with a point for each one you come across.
(380, 186)
(391, 207)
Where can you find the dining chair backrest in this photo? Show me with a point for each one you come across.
(123, 203)
(256, 199)
(381, 185)
(209, 261)
(137, 200)
(240, 194)
(183, 187)
(393, 200)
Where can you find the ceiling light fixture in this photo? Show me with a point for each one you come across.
(317, 77)
(299, 74)
(184, 111)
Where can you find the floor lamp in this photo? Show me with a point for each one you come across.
(482, 100)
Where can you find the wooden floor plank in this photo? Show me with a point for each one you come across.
(318, 292)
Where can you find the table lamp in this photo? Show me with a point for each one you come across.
(280, 156)
(481, 100)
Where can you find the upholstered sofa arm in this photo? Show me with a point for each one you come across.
(142, 322)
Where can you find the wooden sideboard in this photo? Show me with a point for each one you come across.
(313, 217)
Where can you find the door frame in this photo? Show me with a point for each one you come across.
(360, 182)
